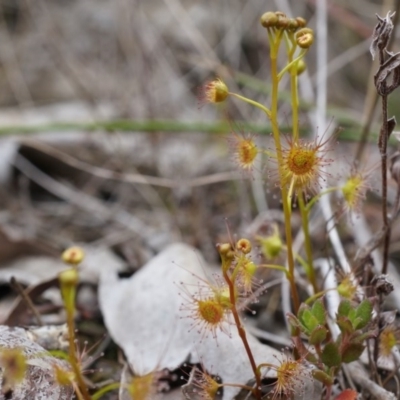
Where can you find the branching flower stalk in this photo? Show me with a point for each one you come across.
(227, 258)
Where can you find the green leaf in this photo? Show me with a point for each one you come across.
(344, 308)
(331, 355)
(318, 335)
(303, 308)
(322, 377)
(309, 321)
(352, 352)
(345, 325)
(318, 311)
(363, 314)
(352, 315)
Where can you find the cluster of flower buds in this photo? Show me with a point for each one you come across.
(304, 36)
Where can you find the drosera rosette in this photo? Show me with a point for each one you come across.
(348, 285)
(304, 163)
(243, 150)
(202, 384)
(354, 189)
(208, 305)
(271, 245)
(13, 366)
(293, 376)
(389, 338)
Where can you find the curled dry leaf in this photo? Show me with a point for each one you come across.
(143, 315)
(382, 32)
(38, 380)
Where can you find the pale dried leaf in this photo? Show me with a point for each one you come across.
(381, 35)
(385, 69)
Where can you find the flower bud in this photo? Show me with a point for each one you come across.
(272, 245)
(269, 19)
(226, 254)
(301, 66)
(305, 38)
(293, 25)
(244, 245)
(283, 22)
(301, 22)
(73, 255)
(215, 91)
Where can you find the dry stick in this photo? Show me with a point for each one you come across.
(17, 286)
(372, 96)
(383, 141)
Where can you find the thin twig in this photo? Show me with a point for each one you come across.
(20, 290)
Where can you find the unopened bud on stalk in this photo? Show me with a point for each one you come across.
(227, 255)
(269, 19)
(283, 22)
(301, 22)
(293, 25)
(244, 245)
(301, 66)
(271, 246)
(305, 38)
(73, 255)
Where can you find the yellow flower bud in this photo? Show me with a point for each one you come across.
(301, 66)
(271, 246)
(305, 38)
(269, 19)
(283, 22)
(293, 25)
(73, 255)
(301, 22)
(215, 92)
(244, 245)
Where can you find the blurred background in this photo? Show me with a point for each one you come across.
(145, 59)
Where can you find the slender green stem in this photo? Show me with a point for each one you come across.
(307, 240)
(316, 296)
(319, 195)
(276, 135)
(253, 103)
(242, 333)
(105, 389)
(289, 67)
(300, 260)
(294, 89)
(274, 266)
(268, 153)
(72, 355)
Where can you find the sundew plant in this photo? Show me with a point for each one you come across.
(325, 336)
